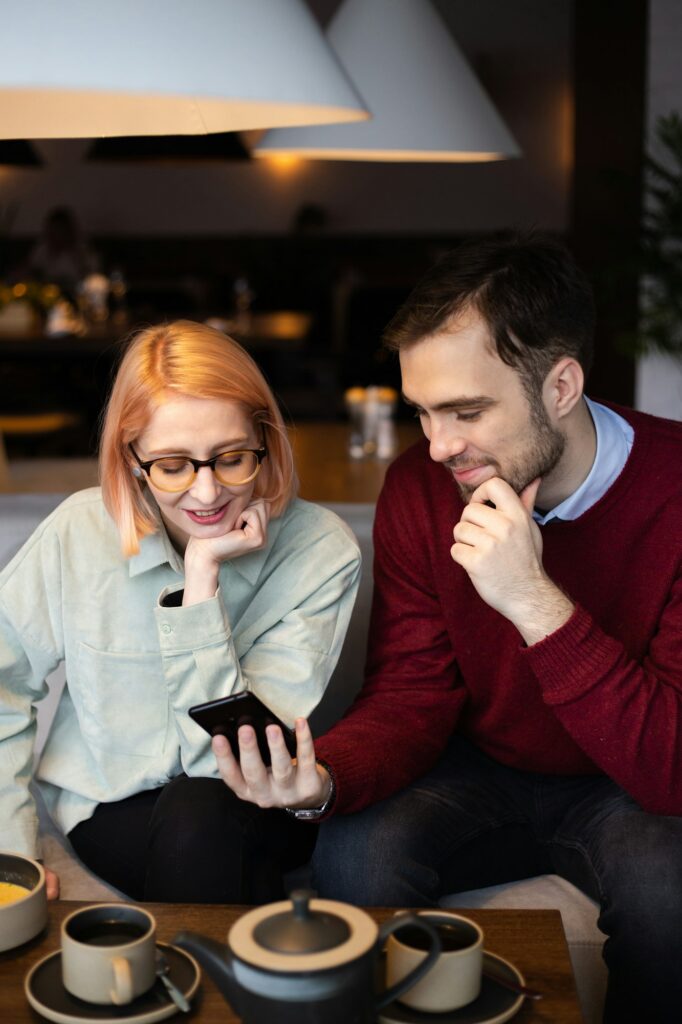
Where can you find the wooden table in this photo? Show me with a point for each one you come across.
(533, 939)
(325, 469)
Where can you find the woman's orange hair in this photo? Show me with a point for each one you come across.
(196, 361)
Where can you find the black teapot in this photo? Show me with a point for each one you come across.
(305, 961)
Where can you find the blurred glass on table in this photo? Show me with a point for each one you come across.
(371, 412)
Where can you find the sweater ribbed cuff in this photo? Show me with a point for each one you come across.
(571, 661)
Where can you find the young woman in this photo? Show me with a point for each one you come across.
(192, 574)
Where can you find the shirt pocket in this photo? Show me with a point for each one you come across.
(121, 701)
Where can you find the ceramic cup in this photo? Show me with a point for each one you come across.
(109, 953)
(22, 918)
(455, 978)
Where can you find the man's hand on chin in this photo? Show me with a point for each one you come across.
(499, 546)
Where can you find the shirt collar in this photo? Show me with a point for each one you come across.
(156, 549)
(615, 437)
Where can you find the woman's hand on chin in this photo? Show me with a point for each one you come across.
(204, 555)
(250, 533)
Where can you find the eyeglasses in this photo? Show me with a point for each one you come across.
(178, 472)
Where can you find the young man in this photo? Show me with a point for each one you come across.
(522, 706)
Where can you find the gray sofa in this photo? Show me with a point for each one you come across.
(20, 514)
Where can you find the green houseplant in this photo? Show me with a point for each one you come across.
(660, 326)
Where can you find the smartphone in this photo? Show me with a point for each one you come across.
(223, 717)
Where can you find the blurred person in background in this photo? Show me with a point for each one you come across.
(61, 255)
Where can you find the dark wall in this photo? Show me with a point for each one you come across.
(610, 76)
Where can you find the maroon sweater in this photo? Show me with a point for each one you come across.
(602, 694)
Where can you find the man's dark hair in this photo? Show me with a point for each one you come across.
(537, 303)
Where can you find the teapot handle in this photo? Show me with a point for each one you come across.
(393, 925)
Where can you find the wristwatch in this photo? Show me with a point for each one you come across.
(315, 813)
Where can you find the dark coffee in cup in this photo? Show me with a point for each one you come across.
(108, 933)
(108, 953)
(451, 938)
(455, 978)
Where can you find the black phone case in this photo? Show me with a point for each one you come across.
(225, 715)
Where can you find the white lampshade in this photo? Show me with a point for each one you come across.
(426, 102)
(85, 68)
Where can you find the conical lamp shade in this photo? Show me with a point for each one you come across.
(426, 102)
(81, 69)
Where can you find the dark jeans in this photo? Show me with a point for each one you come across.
(472, 822)
(193, 841)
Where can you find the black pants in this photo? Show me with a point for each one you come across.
(193, 841)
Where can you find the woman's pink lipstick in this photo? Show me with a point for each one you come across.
(204, 520)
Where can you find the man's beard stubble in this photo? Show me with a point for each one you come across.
(540, 455)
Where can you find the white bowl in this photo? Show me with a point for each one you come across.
(22, 919)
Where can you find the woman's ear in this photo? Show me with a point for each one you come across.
(563, 387)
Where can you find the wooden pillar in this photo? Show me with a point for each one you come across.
(610, 50)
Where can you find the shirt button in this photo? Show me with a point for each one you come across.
(165, 628)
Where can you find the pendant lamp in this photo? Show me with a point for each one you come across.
(426, 102)
(82, 69)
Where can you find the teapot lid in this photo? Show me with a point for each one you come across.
(299, 929)
(302, 934)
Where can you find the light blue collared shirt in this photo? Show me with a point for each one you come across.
(614, 443)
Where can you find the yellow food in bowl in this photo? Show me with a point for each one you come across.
(9, 892)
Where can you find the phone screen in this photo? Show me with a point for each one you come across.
(225, 715)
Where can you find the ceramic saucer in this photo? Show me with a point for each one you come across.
(494, 1005)
(45, 992)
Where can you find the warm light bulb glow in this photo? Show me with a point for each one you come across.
(379, 155)
(284, 163)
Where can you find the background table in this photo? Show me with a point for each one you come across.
(533, 939)
(327, 472)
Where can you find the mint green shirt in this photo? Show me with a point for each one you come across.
(133, 667)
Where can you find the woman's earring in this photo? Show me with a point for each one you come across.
(136, 471)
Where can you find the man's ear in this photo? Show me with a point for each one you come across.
(563, 387)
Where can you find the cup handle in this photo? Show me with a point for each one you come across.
(122, 991)
(393, 925)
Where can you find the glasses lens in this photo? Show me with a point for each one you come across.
(235, 468)
(171, 474)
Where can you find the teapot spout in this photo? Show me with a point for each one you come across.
(216, 960)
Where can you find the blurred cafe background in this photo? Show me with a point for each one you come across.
(301, 242)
